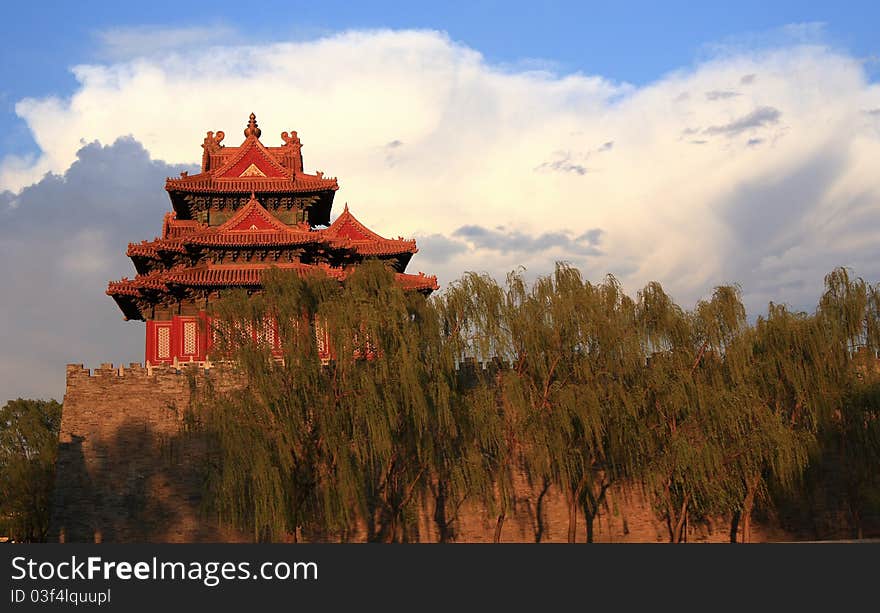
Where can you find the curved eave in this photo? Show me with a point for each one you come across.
(143, 264)
(129, 307)
(246, 186)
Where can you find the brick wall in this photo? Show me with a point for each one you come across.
(127, 472)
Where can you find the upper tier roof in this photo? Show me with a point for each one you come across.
(252, 167)
(252, 226)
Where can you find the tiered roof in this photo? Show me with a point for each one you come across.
(250, 167)
(253, 226)
(190, 253)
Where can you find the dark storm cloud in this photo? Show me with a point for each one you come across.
(505, 241)
(61, 240)
(762, 116)
(721, 95)
(439, 247)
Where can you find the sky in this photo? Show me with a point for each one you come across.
(689, 145)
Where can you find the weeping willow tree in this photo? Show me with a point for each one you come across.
(759, 380)
(611, 363)
(332, 448)
(430, 404)
(473, 313)
(680, 450)
(548, 385)
(728, 406)
(552, 412)
(849, 312)
(781, 367)
(268, 440)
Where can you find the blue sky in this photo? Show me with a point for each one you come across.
(635, 42)
(688, 143)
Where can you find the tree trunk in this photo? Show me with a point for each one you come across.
(498, 525)
(734, 527)
(572, 518)
(539, 511)
(440, 514)
(592, 503)
(676, 520)
(747, 526)
(573, 503)
(748, 505)
(389, 530)
(684, 535)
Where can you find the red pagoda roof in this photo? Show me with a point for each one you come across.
(252, 167)
(253, 226)
(205, 182)
(230, 276)
(348, 232)
(191, 254)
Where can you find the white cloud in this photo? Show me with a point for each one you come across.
(127, 42)
(770, 181)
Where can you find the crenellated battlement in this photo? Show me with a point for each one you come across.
(137, 369)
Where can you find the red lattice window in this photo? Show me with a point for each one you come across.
(266, 333)
(163, 342)
(190, 338)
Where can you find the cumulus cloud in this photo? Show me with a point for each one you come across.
(61, 240)
(428, 138)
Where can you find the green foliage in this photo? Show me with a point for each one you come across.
(429, 403)
(353, 444)
(28, 447)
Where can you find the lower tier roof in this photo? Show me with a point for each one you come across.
(130, 294)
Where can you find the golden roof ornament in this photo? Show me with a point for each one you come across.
(252, 128)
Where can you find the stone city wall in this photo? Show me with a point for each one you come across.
(127, 472)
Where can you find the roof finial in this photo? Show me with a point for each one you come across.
(346, 207)
(252, 128)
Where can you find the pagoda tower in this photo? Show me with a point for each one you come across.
(250, 208)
